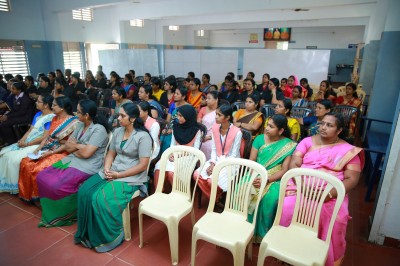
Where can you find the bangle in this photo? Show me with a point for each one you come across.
(330, 195)
(117, 175)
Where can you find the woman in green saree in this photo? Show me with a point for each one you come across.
(273, 150)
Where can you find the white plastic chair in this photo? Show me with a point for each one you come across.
(126, 214)
(230, 229)
(299, 244)
(171, 208)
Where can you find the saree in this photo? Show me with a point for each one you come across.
(101, 204)
(333, 159)
(271, 156)
(242, 117)
(60, 129)
(195, 101)
(57, 187)
(208, 120)
(11, 156)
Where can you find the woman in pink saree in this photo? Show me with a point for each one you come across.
(206, 116)
(328, 152)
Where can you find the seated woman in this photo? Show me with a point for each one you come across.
(130, 88)
(312, 122)
(272, 150)
(158, 93)
(328, 152)
(179, 100)
(206, 116)
(185, 132)
(58, 184)
(11, 156)
(325, 92)
(351, 98)
(62, 125)
(119, 98)
(297, 101)
(22, 111)
(145, 94)
(103, 197)
(284, 107)
(225, 140)
(250, 118)
(151, 125)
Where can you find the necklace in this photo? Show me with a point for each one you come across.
(336, 141)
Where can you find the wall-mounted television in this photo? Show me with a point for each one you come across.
(277, 34)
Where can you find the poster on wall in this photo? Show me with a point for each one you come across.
(277, 34)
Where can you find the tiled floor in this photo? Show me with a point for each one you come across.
(23, 243)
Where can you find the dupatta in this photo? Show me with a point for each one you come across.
(60, 132)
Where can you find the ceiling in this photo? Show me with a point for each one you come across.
(234, 14)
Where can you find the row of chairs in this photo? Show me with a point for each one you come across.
(297, 244)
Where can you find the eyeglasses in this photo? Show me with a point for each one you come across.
(39, 102)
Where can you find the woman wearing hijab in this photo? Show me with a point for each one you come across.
(186, 132)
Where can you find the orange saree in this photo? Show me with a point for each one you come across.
(60, 129)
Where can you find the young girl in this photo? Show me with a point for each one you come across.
(225, 139)
(185, 132)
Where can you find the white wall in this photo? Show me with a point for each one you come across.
(105, 28)
(322, 37)
(235, 38)
(144, 35)
(327, 37)
(23, 23)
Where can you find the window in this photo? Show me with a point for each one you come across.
(72, 57)
(137, 23)
(200, 33)
(173, 28)
(5, 5)
(83, 14)
(13, 59)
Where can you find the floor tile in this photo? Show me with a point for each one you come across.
(118, 262)
(70, 229)
(65, 252)
(26, 240)
(4, 196)
(25, 206)
(11, 216)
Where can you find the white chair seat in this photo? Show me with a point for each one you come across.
(163, 206)
(221, 228)
(297, 243)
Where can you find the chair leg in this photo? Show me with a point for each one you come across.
(262, 254)
(140, 218)
(239, 254)
(194, 247)
(126, 221)
(173, 235)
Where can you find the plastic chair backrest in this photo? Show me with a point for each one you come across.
(240, 174)
(361, 95)
(342, 89)
(110, 136)
(312, 188)
(268, 110)
(238, 105)
(300, 112)
(347, 112)
(185, 161)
